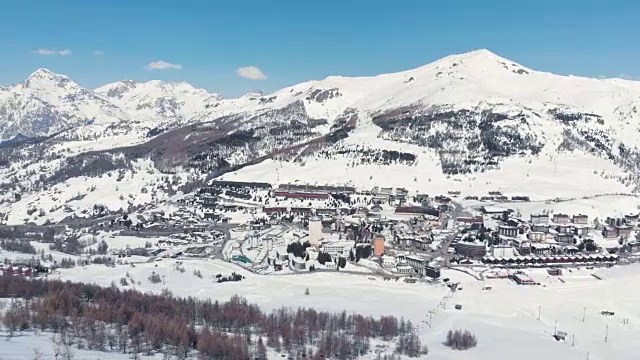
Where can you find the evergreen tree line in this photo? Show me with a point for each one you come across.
(19, 246)
(128, 321)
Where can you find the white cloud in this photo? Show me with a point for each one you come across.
(98, 53)
(162, 65)
(251, 73)
(63, 52)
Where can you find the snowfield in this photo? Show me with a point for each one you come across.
(505, 318)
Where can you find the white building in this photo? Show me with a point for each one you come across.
(254, 238)
(405, 269)
(388, 262)
(268, 242)
(315, 231)
(338, 248)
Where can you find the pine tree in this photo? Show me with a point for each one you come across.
(261, 349)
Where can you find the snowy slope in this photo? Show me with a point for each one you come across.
(46, 103)
(504, 319)
(157, 100)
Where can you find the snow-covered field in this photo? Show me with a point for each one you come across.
(596, 207)
(539, 178)
(505, 318)
(29, 345)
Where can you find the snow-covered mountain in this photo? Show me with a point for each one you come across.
(472, 121)
(46, 103)
(157, 100)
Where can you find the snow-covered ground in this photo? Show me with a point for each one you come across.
(599, 207)
(537, 177)
(505, 318)
(29, 345)
(79, 195)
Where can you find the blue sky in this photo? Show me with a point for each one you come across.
(294, 41)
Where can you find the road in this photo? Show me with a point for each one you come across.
(444, 246)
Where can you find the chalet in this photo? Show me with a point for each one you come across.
(540, 249)
(443, 199)
(384, 194)
(387, 261)
(610, 232)
(381, 199)
(624, 231)
(632, 219)
(401, 194)
(580, 219)
(565, 238)
(634, 247)
(564, 229)
(542, 227)
(471, 198)
(282, 255)
(537, 236)
(454, 192)
(211, 215)
(616, 221)
(539, 219)
(581, 230)
(299, 264)
(508, 231)
(560, 219)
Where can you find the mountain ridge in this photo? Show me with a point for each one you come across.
(458, 122)
(472, 77)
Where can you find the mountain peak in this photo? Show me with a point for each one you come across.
(44, 77)
(477, 56)
(44, 73)
(480, 61)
